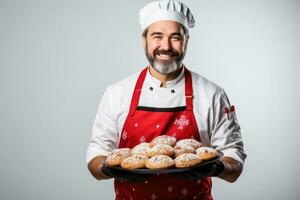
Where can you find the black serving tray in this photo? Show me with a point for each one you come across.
(119, 170)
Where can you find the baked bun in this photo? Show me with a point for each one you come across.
(134, 162)
(206, 153)
(160, 149)
(159, 162)
(187, 160)
(117, 156)
(183, 148)
(140, 149)
(163, 139)
(192, 142)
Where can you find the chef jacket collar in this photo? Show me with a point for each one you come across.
(170, 83)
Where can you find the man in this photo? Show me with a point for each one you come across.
(131, 110)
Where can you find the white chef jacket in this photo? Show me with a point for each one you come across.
(217, 129)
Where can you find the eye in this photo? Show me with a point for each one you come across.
(176, 38)
(157, 37)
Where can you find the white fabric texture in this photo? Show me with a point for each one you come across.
(216, 128)
(166, 10)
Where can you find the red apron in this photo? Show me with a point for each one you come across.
(144, 124)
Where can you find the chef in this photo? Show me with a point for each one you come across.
(166, 98)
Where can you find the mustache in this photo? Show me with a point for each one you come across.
(168, 52)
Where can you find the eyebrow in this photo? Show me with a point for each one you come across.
(177, 34)
(173, 34)
(156, 33)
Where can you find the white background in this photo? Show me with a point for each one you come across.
(57, 57)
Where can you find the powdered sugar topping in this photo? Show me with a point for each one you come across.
(163, 139)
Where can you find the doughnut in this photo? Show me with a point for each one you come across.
(163, 139)
(207, 153)
(117, 156)
(159, 162)
(187, 160)
(140, 149)
(192, 142)
(134, 162)
(160, 149)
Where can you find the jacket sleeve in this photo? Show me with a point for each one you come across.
(226, 132)
(104, 131)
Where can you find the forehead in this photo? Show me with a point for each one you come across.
(165, 27)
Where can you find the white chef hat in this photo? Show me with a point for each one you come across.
(166, 10)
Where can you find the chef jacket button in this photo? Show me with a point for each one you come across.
(172, 91)
(151, 88)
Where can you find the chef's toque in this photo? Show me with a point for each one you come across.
(166, 10)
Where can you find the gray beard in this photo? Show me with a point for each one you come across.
(161, 68)
(166, 69)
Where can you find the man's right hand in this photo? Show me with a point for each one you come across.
(95, 167)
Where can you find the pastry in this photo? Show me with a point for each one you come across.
(207, 153)
(140, 149)
(159, 162)
(187, 160)
(163, 139)
(117, 156)
(183, 148)
(192, 142)
(160, 149)
(134, 162)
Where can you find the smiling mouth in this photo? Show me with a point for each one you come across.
(164, 56)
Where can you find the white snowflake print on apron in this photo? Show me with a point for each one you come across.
(153, 196)
(124, 135)
(142, 139)
(184, 191)
(181, 122)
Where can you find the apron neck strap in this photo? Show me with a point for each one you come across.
(137, 91)
(139, 84)
(188, 89)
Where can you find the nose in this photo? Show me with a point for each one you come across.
(166, 44)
